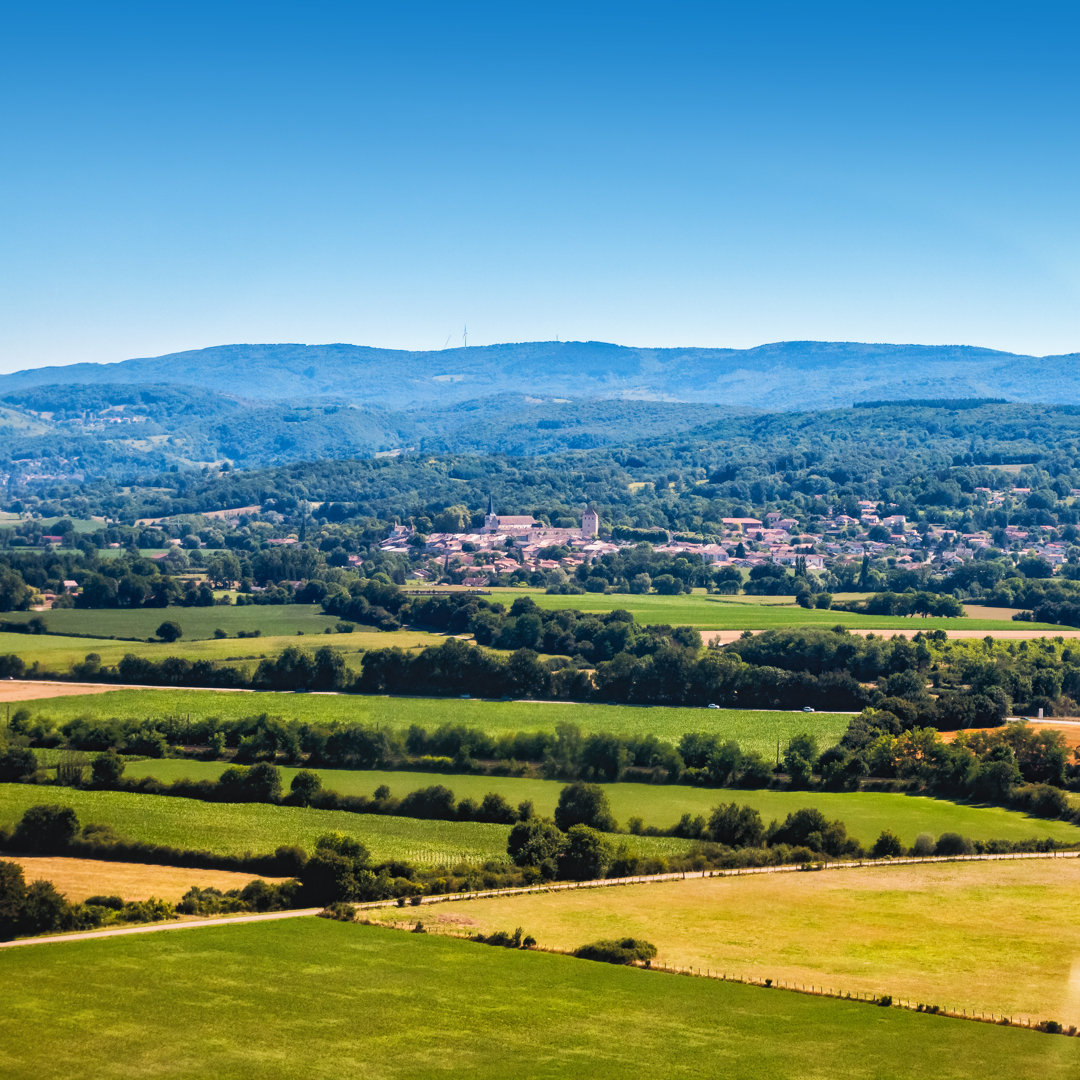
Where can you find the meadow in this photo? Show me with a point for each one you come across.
(865, 813)
(716, 612)
(329, 1001)
(196, 622)
(260, 828)
(751, 729)
(56, 653)
(997, 937)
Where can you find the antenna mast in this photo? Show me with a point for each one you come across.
(465, 335)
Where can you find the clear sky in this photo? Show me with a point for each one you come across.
(175, 175)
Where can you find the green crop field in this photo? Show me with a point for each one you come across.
(331, 1001)
(998, 937)
(714, 612)
(259, 828)
(751, 729)
(865, 813)
(196, 622)
(57, 654)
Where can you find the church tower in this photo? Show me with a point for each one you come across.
(590, 523)
(491, 520)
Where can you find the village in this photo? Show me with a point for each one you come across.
(510, 543)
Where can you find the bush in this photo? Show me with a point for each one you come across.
(622, 951)
(951, 843)
(887, 846)
(169, 631)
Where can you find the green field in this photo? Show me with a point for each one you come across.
(331, 1001)
(714, 612)
(57, 654)
(751, 729)
(258, 828)
(998, 937)
(865, 813)
(196, 622)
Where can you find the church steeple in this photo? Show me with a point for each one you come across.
(491, 503)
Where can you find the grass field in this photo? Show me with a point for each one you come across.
(58, 653)
(196, 622)
(258, 828)
(331, 1001)
(714, 612)
(751, 729)
(998, 937)
(866, 814)
(79, 878)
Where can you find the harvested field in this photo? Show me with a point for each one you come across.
(79, 878)
(990, 936)
(33, 689)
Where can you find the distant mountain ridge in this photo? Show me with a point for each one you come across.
(793, 375)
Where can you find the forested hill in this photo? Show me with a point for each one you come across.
(785, 375)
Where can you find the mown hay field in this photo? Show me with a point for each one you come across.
(319, 999)
(997, 937)
(865, 813)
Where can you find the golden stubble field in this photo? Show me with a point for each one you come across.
(79, 878)
(997, 937)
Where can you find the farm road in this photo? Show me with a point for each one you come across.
(556, 886)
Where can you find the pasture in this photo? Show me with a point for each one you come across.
(718, 612)
(57, 654)
(866, 813)
(260, 828)
(79, 878)
(332, 1001)
(751, 729)
(273, 620)
(997, 937)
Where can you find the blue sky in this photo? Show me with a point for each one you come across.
(175, 176)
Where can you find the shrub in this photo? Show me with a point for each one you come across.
(887, 846)
(951, 843)
(622, 951)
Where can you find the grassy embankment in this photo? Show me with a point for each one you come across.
(751, 729)
(259, 828)
(997, 937)
(866, 814)
(321, 999)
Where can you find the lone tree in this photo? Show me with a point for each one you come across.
(169, 631)
(584, 804)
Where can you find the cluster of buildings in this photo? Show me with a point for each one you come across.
(509, 543)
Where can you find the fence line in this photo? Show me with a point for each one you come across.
(869, 997)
